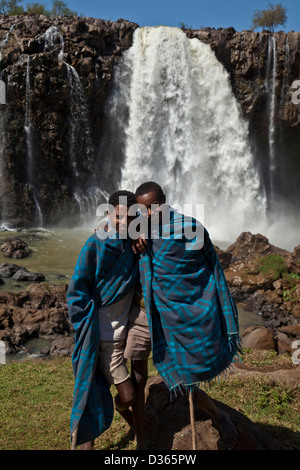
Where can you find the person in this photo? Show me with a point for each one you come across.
(137, 350)
(99, 297)
(192, 317)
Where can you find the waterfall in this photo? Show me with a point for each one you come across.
(51, 36)
(185, 130)
(271, 87)
(79, 126)
(3, 44)
(29, 146)
(80, 147)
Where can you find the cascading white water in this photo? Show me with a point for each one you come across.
(185, 130)
(271, 86)
(51, 37)
(79, 127)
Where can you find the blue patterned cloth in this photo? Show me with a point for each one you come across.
(192, 317)
(106, 270)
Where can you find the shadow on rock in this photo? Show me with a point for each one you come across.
(169, 425)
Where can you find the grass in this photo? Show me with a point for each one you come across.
(36, 396)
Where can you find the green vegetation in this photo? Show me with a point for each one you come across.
(36, 397)
(272, 265)
(270, 17)
(14, 7)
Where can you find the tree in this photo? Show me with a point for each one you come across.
(270, 17)
(60, 8)
(11, 7)
(37, 9)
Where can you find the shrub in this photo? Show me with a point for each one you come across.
(272, 265)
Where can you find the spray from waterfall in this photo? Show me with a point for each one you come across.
(185, 130)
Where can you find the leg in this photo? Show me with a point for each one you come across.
(124, 399)
(222, 420)
(139, 375)
(87, 446)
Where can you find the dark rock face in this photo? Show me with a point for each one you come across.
(57, 73)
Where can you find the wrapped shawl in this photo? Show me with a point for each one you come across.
(192, 317)
(106, 270)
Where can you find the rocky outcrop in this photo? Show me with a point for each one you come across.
(15, 248)
(39, 311)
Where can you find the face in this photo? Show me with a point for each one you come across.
(148, 200)
(120, 219)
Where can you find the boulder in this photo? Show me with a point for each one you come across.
(40, 310)
(250, 247)
(62, 347)
(258, 337)
(9, 269)
(169, 424)
(15, 248)
(24, 275)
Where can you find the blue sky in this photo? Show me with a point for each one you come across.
(194, 13)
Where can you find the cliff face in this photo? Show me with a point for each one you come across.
(58, 74)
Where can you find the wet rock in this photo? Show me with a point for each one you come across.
(62, 347)
(40, 310)
(25, 275)
(15, 248)
(8, 269)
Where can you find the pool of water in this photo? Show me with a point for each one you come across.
(54, 253)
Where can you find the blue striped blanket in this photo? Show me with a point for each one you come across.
(105, 271)
(192, 317)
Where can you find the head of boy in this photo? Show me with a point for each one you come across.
(119, 204)
(150, 195)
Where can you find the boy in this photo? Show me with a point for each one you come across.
(99, 301)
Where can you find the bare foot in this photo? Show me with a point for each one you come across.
(228, 430)
(87, 446)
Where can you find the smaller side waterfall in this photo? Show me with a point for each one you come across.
(51, 37)
(81, 152)
(81, 149)
(29, 146)
(271, 87)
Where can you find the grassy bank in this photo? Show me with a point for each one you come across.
(36, 396)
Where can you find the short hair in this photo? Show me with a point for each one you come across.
(114, 199)
(145, 188)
